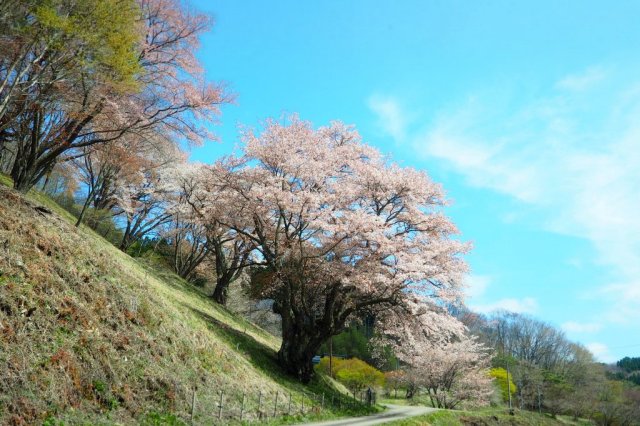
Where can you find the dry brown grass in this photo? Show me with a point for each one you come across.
(90, 335)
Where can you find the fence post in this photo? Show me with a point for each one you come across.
(275, 405)
(242, 405)
(289, 409)
(193, 404)
(220, 405)
(302, 408)
(322, 404)
(260, 405)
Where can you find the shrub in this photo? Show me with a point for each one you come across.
(323, 365)
(500, 376)
(356, 375)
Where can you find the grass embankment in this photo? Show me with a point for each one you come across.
(89, 335)
(486, 417)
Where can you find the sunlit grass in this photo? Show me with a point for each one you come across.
(116, 338)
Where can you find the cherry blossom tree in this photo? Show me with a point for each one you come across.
(202, 192)
(144, 202)
(102, 168)
(340, 232)
(51, 51)
(168, 95)
(438, 355)
(455, 373)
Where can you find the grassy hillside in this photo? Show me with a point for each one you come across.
(89, 335)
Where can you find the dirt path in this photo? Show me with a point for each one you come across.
(394, 412)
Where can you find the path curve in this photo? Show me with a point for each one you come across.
(394, 412)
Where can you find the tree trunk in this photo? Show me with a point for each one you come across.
(221, 292)
(22, 174)
(301, 340)
(296, 354)
(26, 172)
(126, 238)
(85, 206)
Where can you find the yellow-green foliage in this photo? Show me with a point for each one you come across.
(323, 365)
(354, 373)
(103, 35)
(500, 376)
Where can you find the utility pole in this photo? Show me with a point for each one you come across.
(331, 356)
(506, 359)
(539, 401)
(509, 387)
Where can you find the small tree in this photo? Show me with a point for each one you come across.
(500, 377)
(357, 375)
(394, 380)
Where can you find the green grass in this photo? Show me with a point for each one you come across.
(486, 417)
(90, 335)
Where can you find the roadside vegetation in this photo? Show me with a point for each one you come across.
(488, 417)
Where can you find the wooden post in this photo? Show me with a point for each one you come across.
(220, 405)
(289, 409)
(322, 404)
(302, 408)
(242, 406)
(275, 405)
(193, 404)
(260, 405)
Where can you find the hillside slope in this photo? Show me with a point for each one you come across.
(90, 335)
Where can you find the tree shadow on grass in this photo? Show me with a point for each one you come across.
(265, 360)
(259, 355)
(175, 282)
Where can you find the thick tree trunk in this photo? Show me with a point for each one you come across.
(27, 171)
(296, 354)
(221, 292)
(302, 336)
(23, 175)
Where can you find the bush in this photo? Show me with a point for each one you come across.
(323, 365)
(500, 376)
(354, 373)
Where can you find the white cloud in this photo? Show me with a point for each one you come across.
(601, 352)
(528, 305)
(582, 81)
(391, 118)
(577, 327)
(574, 157)
(476, 285)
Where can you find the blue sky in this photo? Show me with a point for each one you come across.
(526, 112)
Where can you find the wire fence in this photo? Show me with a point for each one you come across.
(260, 406)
